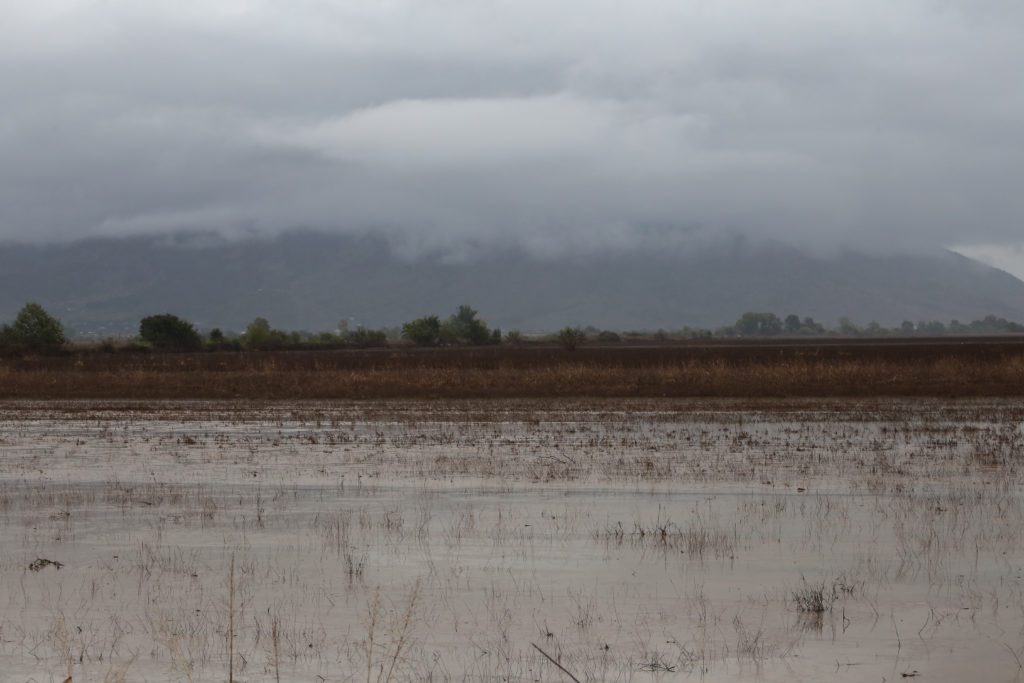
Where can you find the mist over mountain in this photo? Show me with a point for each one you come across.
(307, 280)
(535, 125)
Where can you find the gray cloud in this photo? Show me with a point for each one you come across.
(457, 124)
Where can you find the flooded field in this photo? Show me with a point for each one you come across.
(512, 541)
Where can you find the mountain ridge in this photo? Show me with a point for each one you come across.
(309, 280)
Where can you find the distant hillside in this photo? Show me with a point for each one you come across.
(311, 281)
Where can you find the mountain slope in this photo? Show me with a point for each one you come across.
(311, 281)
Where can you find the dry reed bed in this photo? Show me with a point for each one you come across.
(276, 376)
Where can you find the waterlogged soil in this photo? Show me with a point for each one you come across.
(513, 541)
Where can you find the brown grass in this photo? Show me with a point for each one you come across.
(962, 369)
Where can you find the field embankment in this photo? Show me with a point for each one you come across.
(950, 368)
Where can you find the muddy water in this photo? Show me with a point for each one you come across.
(650, 541)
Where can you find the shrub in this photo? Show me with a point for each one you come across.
(138, 346)
(570, 338)
(7, 340)
(216, 340)
(607, 337)
(363, 338)
(168, 331)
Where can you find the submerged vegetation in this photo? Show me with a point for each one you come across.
(511, 540)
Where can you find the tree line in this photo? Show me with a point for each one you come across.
(770, 325)
(34, 330)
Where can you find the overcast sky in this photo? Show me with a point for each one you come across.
(463, 124)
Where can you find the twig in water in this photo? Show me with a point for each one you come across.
(1015, 656)
(552, 660)
(402, 638)
(231, 621)
(374, 610)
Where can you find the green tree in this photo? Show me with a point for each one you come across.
(168, 331)
(36, 330)
(260, 335)
(792, 324)
(425, 331)
(258, 330)
(847, 328)
(813, 327)
(933, 328)
(465, 327)
(758, 325)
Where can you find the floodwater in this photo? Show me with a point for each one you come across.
(480, 540)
